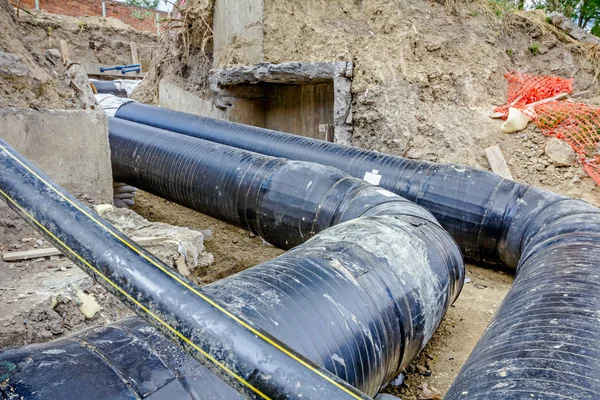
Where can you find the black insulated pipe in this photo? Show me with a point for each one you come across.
(543, 339)
(285, 202)
(361, 298)
(107, 87)
(472, 205)
(125, 360)
(233, 348)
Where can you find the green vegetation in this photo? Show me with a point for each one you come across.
(534, 48)
(502, 7)
(585, 13)
(510, 52)
(152, 4)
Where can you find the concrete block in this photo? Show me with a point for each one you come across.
(70, 146)
(175, 98)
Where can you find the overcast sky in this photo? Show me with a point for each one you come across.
(164, 5)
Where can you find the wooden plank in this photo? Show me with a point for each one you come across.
(134, 53)
(497, 162)
(94, 70)
(64, 51)
(26, 255)
(51, 251)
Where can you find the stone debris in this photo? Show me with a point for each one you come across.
(560, 153)
(89, 306)
(13, 65)
(179, 247)
(78, 80)
(54, 56)
(570, 28)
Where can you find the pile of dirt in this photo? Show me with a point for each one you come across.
(32, 73)
(184, 54)
(29, 78)
(426, 76)
(90, 39)
(38, 296)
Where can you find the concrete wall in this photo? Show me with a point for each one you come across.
(308, 99)
(175, 98)
(238, 28)
(70, 146)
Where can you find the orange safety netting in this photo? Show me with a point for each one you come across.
(575, 123)
(525, 89)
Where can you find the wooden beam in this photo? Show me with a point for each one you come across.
(497, 162)
(51, 251)
(134, 53)
(64, 51)
(94, 70)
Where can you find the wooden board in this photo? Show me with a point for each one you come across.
(64, 51)
(94, 70)
(51, 251)
(497, 162)
(134, 53)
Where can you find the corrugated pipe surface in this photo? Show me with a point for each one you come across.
(360, 299)
(335, 305)
(543, 339)
(233, 348)
(126, 360)
(285, 202)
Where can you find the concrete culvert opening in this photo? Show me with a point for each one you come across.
(306, 99)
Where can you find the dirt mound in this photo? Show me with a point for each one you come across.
(28, 78)
(184, 54)
(427, 76)
(90, 39)
(32, 73)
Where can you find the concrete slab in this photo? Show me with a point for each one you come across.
(175, 98)
(70, 146)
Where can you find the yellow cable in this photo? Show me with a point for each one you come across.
(177, 279)
(130, 298)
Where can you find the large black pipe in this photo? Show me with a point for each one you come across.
(472, 205)
(549, 323)
(107, 87)
(126, 360)
(322, 311)
(286, 202)
(360, 299)
(233, 348)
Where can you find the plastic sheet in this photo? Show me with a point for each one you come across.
(119, 87)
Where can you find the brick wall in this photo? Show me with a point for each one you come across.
(141, 19)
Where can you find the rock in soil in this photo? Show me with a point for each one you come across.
(560, 153)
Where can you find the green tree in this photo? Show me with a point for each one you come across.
(585, 13)
(153, 4)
